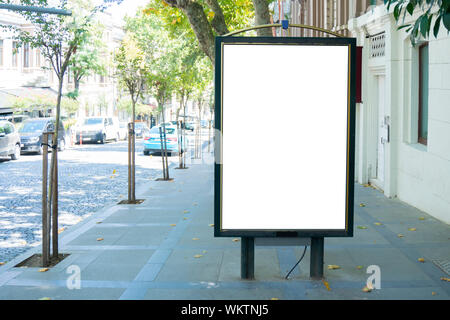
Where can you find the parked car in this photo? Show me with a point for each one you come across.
(204, 123)
(189, 126)
(140, 129)
(9, 140)
(123, 130)
(152, 141)
(17, 120)
(31, 134)
(99, 129)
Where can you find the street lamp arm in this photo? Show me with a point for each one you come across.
(275, 25)
(15, 7)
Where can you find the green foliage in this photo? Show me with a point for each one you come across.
(238, 14)
(437, 10)
(32, 103)
(71, 106)
(130, 67)
(126, 104)
(90, 56)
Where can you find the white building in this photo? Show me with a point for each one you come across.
(22, 73)
(403, 123)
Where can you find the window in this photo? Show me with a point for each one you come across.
(423, 94)
(38, 57)
(26, 55)
(1, 52)
(15, 52)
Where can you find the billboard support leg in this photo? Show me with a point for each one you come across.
(316, 262)
(248, 258)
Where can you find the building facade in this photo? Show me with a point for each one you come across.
(403, 121)
(24, 71)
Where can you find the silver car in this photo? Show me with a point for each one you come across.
(9, 140)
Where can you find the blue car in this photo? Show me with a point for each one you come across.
(152, 140)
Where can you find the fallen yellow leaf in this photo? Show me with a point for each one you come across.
(100, 239)
(421, 218)
(400, 235)
(421, 260)
(445, 279)
(114, 171)
(43, 270)
(362, 227)
(274, 299)
(366, 185)
(2, 263)
(195, 239)
(359, 267)
(198, 256)
(433, 293)
(333, 267)
(235, 240)
(327, 285)
(186, 211)
(412, 229)
(61, 230)
(45, 298)
(173, 225)
(211, 225)
(378, 223)
(362, 205)
(367, 289)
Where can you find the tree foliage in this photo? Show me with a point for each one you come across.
(437, 10)
(206, 18)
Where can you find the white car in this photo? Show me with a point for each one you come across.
(93, 129)
(123, 130)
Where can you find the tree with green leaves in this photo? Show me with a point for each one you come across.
(90, 57)
(437, 10)
(58, 38)
(208, 18)
(132, 70)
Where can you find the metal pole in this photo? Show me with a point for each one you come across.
(133, 164)
(55, 207)
(130, 136)
(180, 165)
(316, 262)
(14, 7)
(45, 231)
(162, 153)
(248, 258)
(165, 152)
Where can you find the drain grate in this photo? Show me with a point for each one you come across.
(443, 264)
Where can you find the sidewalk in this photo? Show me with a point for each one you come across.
(164, 248)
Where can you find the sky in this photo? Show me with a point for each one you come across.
(127, 7)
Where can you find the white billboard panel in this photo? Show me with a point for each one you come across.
(284, 118)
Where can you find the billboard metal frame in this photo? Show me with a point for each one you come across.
(351, 107)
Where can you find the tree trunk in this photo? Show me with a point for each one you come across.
(53, 164)
(199, 23)
(262, 16)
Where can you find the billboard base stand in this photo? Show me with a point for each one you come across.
(316, 262)
(248, 258)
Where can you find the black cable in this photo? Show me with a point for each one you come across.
(297, 263)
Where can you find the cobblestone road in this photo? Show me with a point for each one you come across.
(87, 182)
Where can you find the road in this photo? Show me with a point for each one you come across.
(90, 177)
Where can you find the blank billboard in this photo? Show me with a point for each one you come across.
(284, 114)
